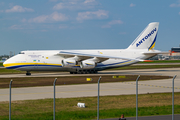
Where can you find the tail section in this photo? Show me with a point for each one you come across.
(147, 38)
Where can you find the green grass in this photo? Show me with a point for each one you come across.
(71, 80)
(146, 67)
(163, 61)
(10, 71)
(110, 107)
(1, 64)
(89, 115)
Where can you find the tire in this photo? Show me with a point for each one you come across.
(28, 73)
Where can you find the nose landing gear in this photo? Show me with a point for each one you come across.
(28, 73)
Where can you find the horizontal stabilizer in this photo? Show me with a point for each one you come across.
(156, 52)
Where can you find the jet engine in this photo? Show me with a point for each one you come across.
(87, 64)
(69, 62)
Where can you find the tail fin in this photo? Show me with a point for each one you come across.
(147, 38)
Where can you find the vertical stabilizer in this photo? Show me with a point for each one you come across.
(147, 38)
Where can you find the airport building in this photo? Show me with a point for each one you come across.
(175, 49)
(174, 54)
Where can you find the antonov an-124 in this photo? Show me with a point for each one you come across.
(87, 61)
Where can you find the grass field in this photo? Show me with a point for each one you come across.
(146, 67)
(69, 80)
(1, 64)
(110, 107)
(10, 71)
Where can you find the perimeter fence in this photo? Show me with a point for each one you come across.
(161, 100)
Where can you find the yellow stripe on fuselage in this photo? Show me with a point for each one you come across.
(16, 64)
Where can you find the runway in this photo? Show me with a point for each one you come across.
(87, 90)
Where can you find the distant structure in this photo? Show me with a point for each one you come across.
(3, 59)
(174, 54)
(175, 49)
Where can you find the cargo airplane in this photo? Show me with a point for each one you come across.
(87, 61)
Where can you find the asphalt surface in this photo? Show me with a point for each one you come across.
(89, 90)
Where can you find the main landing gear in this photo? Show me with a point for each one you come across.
(85, 72)
(28, 73)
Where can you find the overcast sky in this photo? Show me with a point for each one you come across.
(85, 24)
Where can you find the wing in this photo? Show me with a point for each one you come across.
(97, 56)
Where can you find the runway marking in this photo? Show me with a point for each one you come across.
(150, 85)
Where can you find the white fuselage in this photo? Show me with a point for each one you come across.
(50, 60)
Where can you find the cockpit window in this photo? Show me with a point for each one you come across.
(21, 53)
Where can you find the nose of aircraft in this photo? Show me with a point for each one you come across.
(13, 61)
(6, 62)
(9, 62)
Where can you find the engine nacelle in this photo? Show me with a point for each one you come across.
(87, 64)
(69, 62)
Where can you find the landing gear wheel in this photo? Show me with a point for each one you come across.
(28, 73)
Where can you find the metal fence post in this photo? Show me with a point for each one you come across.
(137, 97)
(173, 97)
(54, 106)
(10, 99)
(98, 100)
